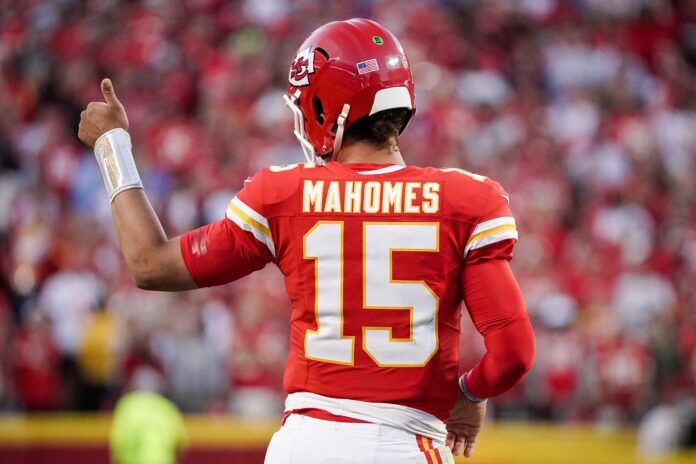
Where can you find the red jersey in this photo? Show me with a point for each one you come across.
(372, 257)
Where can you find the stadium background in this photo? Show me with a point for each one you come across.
(584, 110)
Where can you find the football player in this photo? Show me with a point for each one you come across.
(377, 256)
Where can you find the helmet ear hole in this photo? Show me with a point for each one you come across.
(318, 110)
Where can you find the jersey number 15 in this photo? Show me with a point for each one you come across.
(325, 245)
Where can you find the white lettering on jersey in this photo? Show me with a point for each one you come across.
(371, 197)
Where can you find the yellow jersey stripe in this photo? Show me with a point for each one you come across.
(428, 449)
(495, 230)
(249, 220)
(249, 211)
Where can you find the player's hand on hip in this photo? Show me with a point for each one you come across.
(99, 117)
(464, 425)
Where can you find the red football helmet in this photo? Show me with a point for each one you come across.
(345, 70)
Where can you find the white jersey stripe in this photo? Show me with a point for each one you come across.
(250, 212)
(245, 221)
(492, 231)
(388, 169)
(490, 239)
(492, 223)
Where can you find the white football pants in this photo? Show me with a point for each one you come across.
(306, 440)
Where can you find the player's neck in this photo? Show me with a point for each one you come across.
(363, 152)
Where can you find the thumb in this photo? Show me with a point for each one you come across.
(107, 89)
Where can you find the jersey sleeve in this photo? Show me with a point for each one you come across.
(495, 232)
(235, 246)
(496, 306)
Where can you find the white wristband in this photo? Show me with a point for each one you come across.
(467, 393)
(115, 159)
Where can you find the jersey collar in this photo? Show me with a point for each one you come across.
(373, 169)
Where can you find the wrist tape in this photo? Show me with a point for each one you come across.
(116, 163)
(467, 393)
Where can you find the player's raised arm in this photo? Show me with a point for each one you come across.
(154, 261)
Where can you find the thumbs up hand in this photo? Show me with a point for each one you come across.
(99, 117)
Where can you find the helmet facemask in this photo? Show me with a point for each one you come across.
(299, 131)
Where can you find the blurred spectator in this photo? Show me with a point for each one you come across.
(194, 373)
(258, 356)
(659, 432)
(97, 358)
(67, 298)
(35, 365)
(141, 369)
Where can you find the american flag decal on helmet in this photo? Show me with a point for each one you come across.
(365, 67)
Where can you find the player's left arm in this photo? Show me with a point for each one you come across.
(495, 304)
(494, 301)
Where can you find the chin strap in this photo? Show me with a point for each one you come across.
(338, 141)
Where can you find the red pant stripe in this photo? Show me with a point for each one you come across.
(425, 445)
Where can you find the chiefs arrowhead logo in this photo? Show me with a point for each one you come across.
(302, 67)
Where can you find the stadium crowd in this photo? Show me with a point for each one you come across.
(584, 110)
